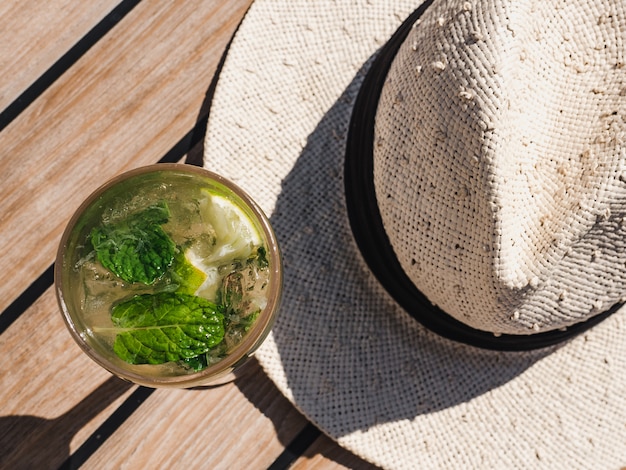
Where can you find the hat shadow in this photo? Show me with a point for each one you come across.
(339, 382)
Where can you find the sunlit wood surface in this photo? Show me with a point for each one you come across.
(88, 90)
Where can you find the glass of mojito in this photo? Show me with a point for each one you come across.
(169, 276)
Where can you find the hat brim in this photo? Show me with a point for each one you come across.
(350, 358)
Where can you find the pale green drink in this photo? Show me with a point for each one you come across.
(167, 272)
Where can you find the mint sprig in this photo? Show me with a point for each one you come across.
(173, 324)
(164, 327)
(136, 249)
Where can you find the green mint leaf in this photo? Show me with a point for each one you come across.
(136, 249)
(164, 327)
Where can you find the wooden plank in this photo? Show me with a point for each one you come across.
(123, 105)
(325, 453)
(35, 34)
(52, 395)
(245, 424)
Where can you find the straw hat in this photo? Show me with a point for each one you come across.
(447, 182)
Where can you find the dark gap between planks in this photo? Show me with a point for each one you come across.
(106, 429)
(296, 447)
(65, 62)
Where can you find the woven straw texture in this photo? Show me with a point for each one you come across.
(500, 159)
(342, 351)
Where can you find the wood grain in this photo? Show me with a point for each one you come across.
(117, 108)
(218, 428)
(325, 453)
(35, 34)
(51, 391)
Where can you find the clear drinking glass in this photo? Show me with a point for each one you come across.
(169, 276)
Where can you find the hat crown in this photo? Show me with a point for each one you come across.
(498, 162)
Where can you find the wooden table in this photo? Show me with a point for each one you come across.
(88, 90)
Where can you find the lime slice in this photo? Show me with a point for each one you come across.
(236, 239)
(187, 276)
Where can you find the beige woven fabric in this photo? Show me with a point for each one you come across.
(342, 351)
(500, 161)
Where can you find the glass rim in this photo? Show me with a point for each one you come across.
(242, 351)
